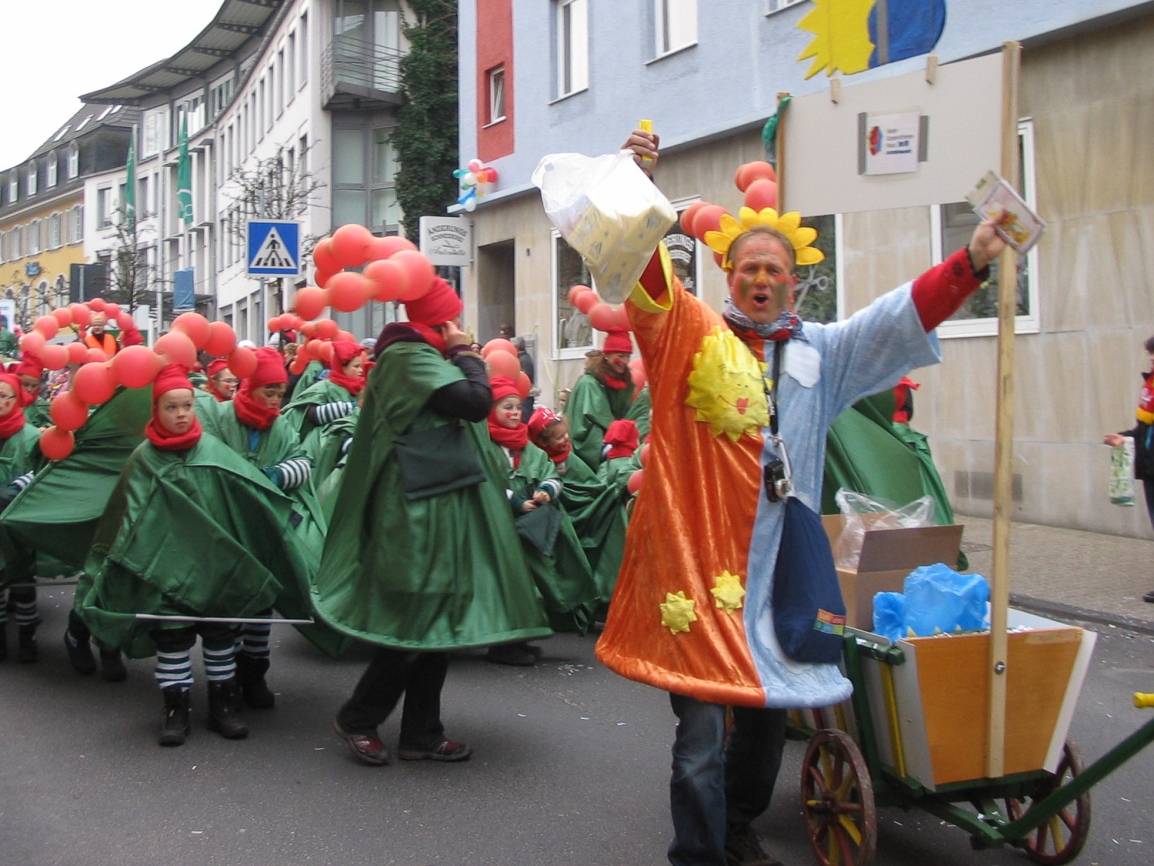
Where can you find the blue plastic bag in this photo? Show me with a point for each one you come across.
(938, 599)
(890, 615)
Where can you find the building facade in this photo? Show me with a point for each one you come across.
(576, 76)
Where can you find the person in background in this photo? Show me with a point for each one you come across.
(601, 395)
(222, 382)
(98, 338)
(9, 345)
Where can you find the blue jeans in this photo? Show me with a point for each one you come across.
(714, 788)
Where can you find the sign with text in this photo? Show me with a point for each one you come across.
(447, 240)
(891, 142)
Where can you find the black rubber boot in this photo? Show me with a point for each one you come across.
(518, 654)
(224, 710)
(112, 669)
(79, 653)
(250, 673)
(174, 727)
(26, 649)
(3, 641)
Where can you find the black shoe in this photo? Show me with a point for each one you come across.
(442, 750)
(79, 653)
(112, 669)
(3, 641)
(366, 748)
(250, 673)
(517, 654)
(1149, 597)
(743, 847)
(174, 727)
(224, 710)
(26, 649)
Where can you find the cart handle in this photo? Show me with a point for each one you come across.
(1144, 700)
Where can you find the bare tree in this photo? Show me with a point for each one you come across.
(30, 300)
(130, 277)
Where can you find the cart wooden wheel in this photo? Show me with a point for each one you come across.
(837, 796)
(1060, 837)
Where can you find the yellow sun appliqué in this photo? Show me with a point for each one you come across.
(727, 591)
(677, 612)
(788, 224)
(841, 39)
(726, 387)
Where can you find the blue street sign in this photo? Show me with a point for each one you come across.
(274, 248)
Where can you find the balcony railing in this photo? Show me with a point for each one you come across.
(355, 72)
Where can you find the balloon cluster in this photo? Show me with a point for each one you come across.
(393, 270)
(602, 316)
(97, 377)
(638, 477)
(474, 182)
(757, 180)
(501, 358)
(319, 337)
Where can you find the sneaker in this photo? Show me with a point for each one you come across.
(743, 848)
(446, 750)
(1149, 597)
(366, 748)
(519, 655)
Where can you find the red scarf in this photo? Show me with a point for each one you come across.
(249, 413)
(13, 422)
(430, 335)
(513, 438)
(611, 381)
(211, 388)
(166, 441)
(352, 384)
(561, 457)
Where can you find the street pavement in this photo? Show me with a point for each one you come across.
(570, 768)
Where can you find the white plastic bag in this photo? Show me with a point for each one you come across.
(608, 211)
(882, 514)
(1121, 485)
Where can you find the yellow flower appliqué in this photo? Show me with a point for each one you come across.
(787, 224)
(727, 591)
(677, 612)
(726, 387)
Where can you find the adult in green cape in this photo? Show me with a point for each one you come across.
(640, 411)
(551, 546)
(251, 425)
(19, 459)
(225, 561)
(328, 447)
(421, 556)
(31, 375)
(327, 400)
(596, 508)
(314, 372)
(602, 394)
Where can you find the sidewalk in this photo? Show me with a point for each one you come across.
(1070, 573)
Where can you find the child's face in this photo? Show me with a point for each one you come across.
(555, 437)
(508, 411)
(175, 412)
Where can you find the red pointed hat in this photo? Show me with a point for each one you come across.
(269, 369)
(172, 377)
(618, 341)
(437, 306)
(215, 366)
(344, 351)
(541, 418)
(502, 387)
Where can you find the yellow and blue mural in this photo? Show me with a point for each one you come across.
(851, 36)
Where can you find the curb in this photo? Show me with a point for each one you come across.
(1054, 608)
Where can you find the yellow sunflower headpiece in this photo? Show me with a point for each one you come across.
(787, 224)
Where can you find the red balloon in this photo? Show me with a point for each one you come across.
(112, 311)
(586, 300)
(310, 302)
(620, 318)
(688, 215)
(299, 363)
(63, 316)
(389, 278)
(382, 248)
(643, 456)
(32, 342)
(635, 481)
(574, 291)
(323, 256)
(350, 245)
(707, 218)
(177, 348)
(753, 171)
(309, 329)
(53, 356)
(194, 326)
(95, 355)
(761, 194)
(242, 361)
(313, 348)
(498, 345)
(81, 315)
(274, 324)
(56, 444)
(126, 322)
(348, 291)
(602, 318)
(289, 322)
(327, 329)
(420, 271)
(524, 384)
(503, 364)
(325, 351)
(77, 353)
(68, 412)
(322, 277)
(48, 326)
(221, 339)
(94, 383)
(97, 305)
(346, 337)
(135, 366)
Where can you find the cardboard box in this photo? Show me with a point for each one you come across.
(887, 557)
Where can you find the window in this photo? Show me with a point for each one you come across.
(144, 205)
(17, 238)
(290, 77)
(73, 160)
(53, 165)
(76, 232)
(572, 43)
(155, 132)
(950, 228)
(350, 196)
(386, 210)
(684, 252)
(675, 24)
(819, 287)
(775, 5)
(572, 333)
(30, 178)
(220, 96)
(304, 64)
(496, 94)
(260, 103)
(32, 238)
(280, 88)
(192, 110)
(13, 187)
(54, 239)
(104, 207)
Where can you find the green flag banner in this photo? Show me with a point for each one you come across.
(184, 177)
(128, 204)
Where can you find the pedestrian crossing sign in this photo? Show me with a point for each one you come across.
(274, 248)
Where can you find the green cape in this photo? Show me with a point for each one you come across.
(438, 573)
(316, 394)
(598, 513)
(639, 412)
(37, 414)
(590, 409)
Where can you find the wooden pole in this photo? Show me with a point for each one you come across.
(779, 148)
(1003, 432)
